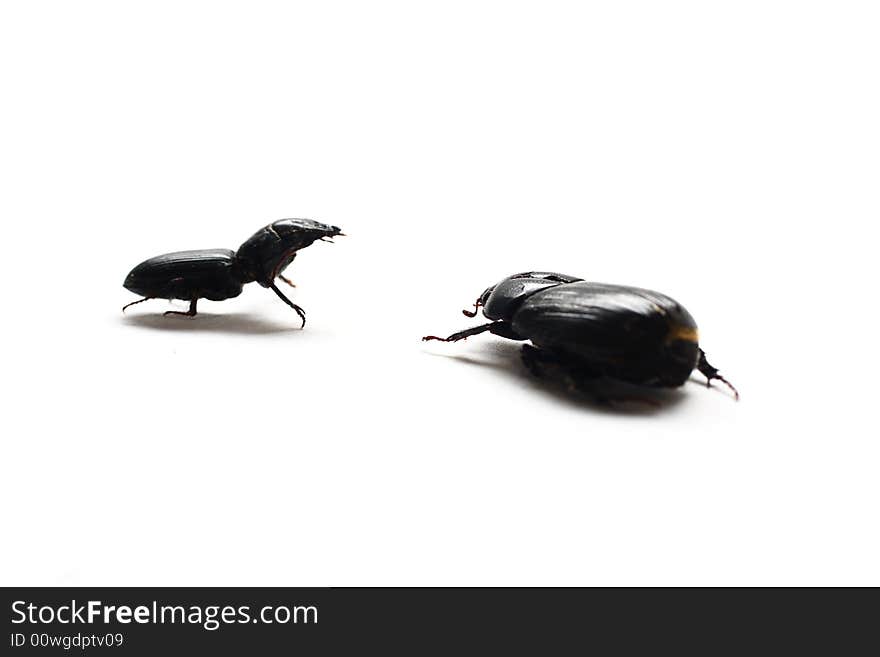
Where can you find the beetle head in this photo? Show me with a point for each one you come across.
(300, 233)
(501, 301)
(271, 249)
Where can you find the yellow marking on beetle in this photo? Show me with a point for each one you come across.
(685, 333)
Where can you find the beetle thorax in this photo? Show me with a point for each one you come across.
(265, 255)
(501, 301)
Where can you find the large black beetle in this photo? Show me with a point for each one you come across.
(584, 332)
(219, 274)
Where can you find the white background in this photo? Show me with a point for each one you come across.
(723, 153)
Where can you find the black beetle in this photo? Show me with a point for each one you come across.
(586, 332)
(219, 274)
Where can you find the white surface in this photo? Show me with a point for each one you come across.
(726, 154)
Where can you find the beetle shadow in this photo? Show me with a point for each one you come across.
(628, 400)
(233, 323)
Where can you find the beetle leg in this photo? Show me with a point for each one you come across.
(500, 328)
(286, 280)
(545, 365)
(136, 302)
(473, 313)
(712, 373)
(461, 335)
(505, 330)
(189, 313)
(532, 360)
(299, 311)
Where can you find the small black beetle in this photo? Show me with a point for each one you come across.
(219, 274)
(584, 332)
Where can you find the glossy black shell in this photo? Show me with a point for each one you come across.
(621, 332)
(207, 274)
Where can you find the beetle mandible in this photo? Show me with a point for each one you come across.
(584, 332)
(219, 274)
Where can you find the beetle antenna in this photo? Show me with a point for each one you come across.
(134, 303)
(473, 313)
(461, 335)
(712, 373)
(299, 311)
